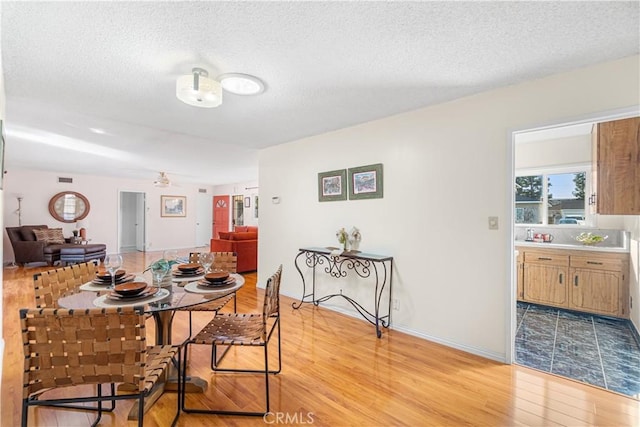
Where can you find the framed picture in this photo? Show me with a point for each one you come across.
(365, 182)
(173, 206)
(332, 186)
(247, 202)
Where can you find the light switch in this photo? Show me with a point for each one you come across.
(493, 223)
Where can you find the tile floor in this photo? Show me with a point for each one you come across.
(600, 351)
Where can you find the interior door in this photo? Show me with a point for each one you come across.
(203, 215)
(132, 221)
(220, 214)
(141, 208)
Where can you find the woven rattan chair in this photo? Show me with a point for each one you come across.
(236, 329)
(226, 261)
(64, 348)
(53, 284)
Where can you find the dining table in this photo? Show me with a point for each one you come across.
(161, 303)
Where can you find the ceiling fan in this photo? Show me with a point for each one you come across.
(162, 181)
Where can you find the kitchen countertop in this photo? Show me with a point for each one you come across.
(577, 247)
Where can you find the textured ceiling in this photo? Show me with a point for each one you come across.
(74, 66)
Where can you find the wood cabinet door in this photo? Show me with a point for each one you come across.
(618, 167)
(597, 291)
(546, 284)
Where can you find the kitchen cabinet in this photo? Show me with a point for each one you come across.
(545, 278)
(616, 167)
(589, 281)
(597, 285)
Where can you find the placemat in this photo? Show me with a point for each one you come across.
(104, 301)
(194, 288)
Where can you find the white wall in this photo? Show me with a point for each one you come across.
(246, 189)
(2, 116)
(446, 169)
(632, 224)
(37, 187)
(553, 152)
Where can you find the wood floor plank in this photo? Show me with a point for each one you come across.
(335, 373)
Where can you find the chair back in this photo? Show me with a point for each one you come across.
(271, 307)
(84, 272)
(51, 285)
(227, 261)
(72, 347)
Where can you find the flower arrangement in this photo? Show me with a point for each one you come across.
(343, 237)
(349, 240)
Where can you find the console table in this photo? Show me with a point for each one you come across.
(364, 265)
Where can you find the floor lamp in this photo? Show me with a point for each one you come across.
(13, 264)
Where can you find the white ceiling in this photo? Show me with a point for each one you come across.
(69, 67)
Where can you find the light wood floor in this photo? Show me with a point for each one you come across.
(337, 373)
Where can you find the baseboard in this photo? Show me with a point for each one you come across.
(498, 357)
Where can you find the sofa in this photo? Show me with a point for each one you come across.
(244, 242)
(39, 243)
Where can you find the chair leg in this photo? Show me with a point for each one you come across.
(141, 411)
(215, 361)
(89, 408)
(25, 412)
(180, 389)
(266, 375)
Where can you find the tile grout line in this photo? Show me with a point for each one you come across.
(522, 320)
(604, 376)
(555, 337)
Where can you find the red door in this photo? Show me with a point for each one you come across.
(220, 214)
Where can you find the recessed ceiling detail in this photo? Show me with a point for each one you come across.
(241, 84)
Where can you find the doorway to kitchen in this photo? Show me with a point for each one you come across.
(603, 351)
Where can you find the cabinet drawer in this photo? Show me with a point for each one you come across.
(610, 264)
(544, 258)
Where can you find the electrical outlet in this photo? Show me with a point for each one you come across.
(396, 304)
(493, 223)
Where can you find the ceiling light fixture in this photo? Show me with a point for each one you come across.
(241, 84)
(198, 89)
(162, 181)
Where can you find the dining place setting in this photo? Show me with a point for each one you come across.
(217, 280)
(117, 287)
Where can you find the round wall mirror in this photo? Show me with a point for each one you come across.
(69, 206)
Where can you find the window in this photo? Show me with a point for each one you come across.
(551, 197)
(238, 210)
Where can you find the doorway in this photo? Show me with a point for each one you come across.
(132, 221)
(204, 213)
(600, 351)
(238, 210)
(220, 215)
